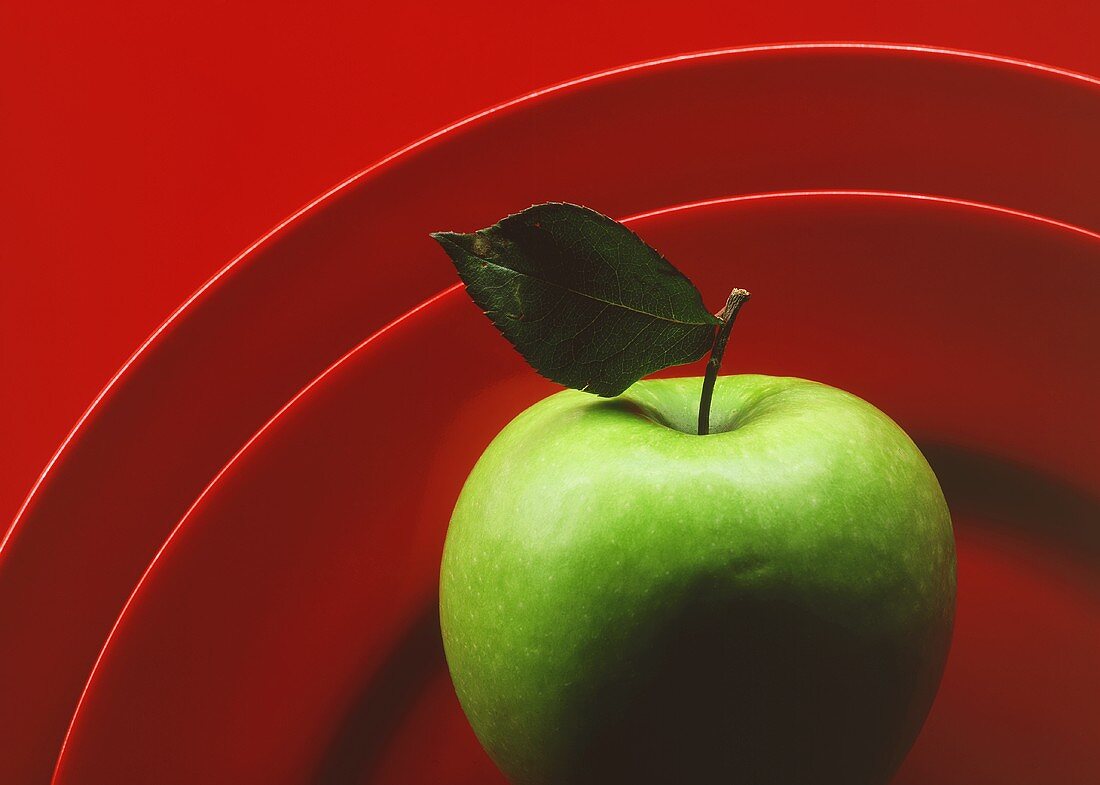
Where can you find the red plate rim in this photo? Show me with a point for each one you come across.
(388, 328)
(287, 223)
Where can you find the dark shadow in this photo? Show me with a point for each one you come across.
(755, 689)
(636, 409)
(383, 702)
(614, 405)
(1018, 497)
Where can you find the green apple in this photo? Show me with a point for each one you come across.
(624, 601)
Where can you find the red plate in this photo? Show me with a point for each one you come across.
(686, 128)
(286, 632)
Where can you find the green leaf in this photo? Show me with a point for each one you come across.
(585, 301)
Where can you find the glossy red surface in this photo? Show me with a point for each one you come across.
(291, 611)
(147, 143)
(817, 116)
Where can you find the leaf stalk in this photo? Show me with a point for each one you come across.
(726, 318)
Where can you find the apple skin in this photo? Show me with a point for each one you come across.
(624, 601)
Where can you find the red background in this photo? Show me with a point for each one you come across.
(144, 145)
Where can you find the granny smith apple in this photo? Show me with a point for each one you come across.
(624, 601)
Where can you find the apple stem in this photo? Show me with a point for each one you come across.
(726, 317)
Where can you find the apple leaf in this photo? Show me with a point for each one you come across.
(585, 301)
